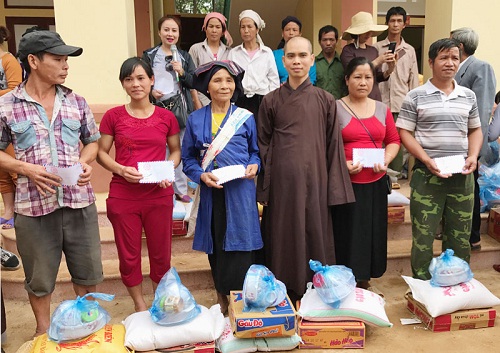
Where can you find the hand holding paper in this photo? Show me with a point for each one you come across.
(156, 172)
(229, 173)
(450, 164)
(69, 175)
(368, 157)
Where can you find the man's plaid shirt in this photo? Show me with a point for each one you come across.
(40, 141)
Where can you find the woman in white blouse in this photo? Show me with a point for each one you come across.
(212, 48)
(261, 74)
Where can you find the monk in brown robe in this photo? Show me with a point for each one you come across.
(303, 172)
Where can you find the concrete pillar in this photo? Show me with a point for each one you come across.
(106, 32)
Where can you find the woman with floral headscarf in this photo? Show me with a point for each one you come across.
(261, 74)
(212, 48)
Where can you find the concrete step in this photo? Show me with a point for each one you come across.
(180, 244)
(193, 269)
(399, 252)
(398, 231)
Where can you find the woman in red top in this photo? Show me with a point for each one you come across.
(360, 228)
(140, 131)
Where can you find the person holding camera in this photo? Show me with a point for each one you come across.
(360, 31)
(404, 78)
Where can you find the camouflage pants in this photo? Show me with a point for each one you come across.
(432, 199)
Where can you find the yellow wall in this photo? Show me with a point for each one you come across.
(443, 16)
(482, 17)
(322, 14)
(437, 25)
(106, 31)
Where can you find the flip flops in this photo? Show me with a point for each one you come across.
(7, 223)
(376, 291)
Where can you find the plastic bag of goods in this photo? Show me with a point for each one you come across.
(449, 270)
(75, 319)
(261, 289)
(173, 303)
(333, 283)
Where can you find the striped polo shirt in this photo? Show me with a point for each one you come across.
(441, 122)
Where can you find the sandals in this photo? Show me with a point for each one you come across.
(7, 223)
(475, 246)
(184, 198)
(376, 291)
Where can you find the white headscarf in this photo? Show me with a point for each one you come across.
(257, 19)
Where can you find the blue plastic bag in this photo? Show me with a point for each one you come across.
(449, 270)
(261, 289)
(333, 283)
(75, 319)
(489, 186)
(173, 304)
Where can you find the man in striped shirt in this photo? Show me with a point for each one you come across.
(440, 119)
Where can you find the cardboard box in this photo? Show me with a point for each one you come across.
(494, 223)
(202, 347)
(395, 214)
(276, 321)
(179, 227)
(340, 334)
(459, 320)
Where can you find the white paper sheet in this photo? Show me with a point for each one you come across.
(368, 157)
(154, 172)
(69, 175)
(450, 164)
(229, 173)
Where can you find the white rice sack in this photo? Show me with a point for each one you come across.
(142, 334)
(277, 344)
(360, 305)
(228, 343)
(445, 300)
(396, 198)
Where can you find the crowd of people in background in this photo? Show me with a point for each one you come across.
(290, 117)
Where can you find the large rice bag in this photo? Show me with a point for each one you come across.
(173, 304)
(449, 270)
(142, 334)
(333, 283)
(109, 339)
(75, 319)
(261, 289)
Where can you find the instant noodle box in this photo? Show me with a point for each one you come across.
(325, 334)
(276, 321)
(459, 320)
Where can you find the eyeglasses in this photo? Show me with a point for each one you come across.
(168, 63)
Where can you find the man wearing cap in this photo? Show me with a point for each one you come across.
(290, 27)
(45, 122)
(304, 172)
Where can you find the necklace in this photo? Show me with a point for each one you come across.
(215, 121)
(353, 105)
(131, 111)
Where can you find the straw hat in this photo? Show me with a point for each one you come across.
(362, 22)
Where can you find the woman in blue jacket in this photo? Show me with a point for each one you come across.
(220, 135)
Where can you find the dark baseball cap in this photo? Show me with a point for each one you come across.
(47, 41)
